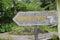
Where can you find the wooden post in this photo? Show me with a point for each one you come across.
(35, 32)
(58, 8)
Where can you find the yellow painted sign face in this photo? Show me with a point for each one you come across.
(30, 18)
(41, 17)
(24, 18)
(36, 18)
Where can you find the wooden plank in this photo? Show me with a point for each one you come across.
(36, 18)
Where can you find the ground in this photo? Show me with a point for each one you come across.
(44, 36)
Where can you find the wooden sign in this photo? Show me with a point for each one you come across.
(36, 18)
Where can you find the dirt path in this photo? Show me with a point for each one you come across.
(29, 37)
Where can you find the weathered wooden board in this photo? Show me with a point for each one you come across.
(36, 18)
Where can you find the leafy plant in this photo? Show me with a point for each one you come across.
(55, 37)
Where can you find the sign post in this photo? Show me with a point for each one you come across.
(35, 32)
(36, 18)
(58, 8)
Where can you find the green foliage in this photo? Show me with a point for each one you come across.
(6, 28)
(21, 29)
(15, 29)
(11, 7)
(55, 37)
(6, 4)
(48, 28)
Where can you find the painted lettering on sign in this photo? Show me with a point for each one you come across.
(30, 18)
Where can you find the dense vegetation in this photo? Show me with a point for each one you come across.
(9, 8)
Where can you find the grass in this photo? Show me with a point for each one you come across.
(13, 28)
(48, 28)
(6, 38)
(55, 37)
